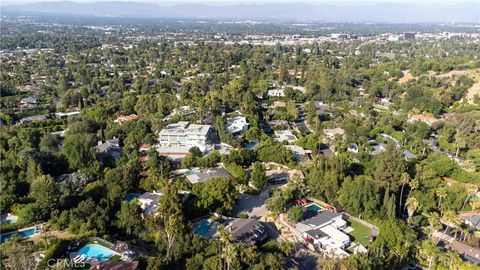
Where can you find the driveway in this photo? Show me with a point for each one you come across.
(253, 205)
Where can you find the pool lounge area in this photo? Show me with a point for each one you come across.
(23, 233)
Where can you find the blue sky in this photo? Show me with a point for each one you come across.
(170, 2)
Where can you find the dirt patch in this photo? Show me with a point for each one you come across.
(407, 76)
(449, 77)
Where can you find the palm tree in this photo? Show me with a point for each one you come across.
(460, 142)
(465, 231)
(450, 219)
(434, 222)
(429, 251)
(229, 252)
(414, 184)
(475, 203)
(412, 205)
(405, 179)
(441, 194)
(454, 260)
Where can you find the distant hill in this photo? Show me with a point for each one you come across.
(380, 12)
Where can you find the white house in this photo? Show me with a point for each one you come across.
(149, 203)
(177, 139)
(237, 125)
(276, 93)
(285, 135)
(325, 231)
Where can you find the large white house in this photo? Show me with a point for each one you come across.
(237, 125)
(325, 231)
(276, 93)
(178, 138)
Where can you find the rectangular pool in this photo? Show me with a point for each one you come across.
(22, 234)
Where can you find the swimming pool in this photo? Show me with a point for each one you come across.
(314, 208)
(96, 251)
(203, 227)
(22, 234)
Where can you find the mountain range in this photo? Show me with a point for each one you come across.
(325, 12)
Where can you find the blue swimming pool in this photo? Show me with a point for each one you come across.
(23, 234)
(97, 251)
(203, 227)
(314, 208)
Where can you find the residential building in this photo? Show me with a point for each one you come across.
(126, 118)
(279, 104)
(429, 120)
(298, 152)
(62, 115)
(326, 150)
(177, 139)
(149, 203)
(28, 102)
(29, 119)
(109, 148)
(353, 148)
(197, 175)
(325, 231)
(248, 231)
(285, 135)
(332, 132)
(236, 125)
(276, 93)
(322, 109)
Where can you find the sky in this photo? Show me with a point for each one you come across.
(170, 2)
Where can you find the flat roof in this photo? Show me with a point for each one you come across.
(184, 128)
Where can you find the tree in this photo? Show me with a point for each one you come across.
(441, 194)
(128, 217)
(258, 178)
(434, 222)
(429, 251)
(218, 194)
(405, 179)
(171, 223)
(412, 205)
(295, 213)
(44, 190)
(396, 239)
(389, 167)
(359, 196)
(78, 148)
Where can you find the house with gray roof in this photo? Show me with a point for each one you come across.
(197, 175)
(109, 148)
(248, 231)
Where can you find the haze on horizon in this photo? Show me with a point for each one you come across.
(384, 11)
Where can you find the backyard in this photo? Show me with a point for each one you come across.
(360, 232)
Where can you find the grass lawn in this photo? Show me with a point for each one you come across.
(360, 232)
